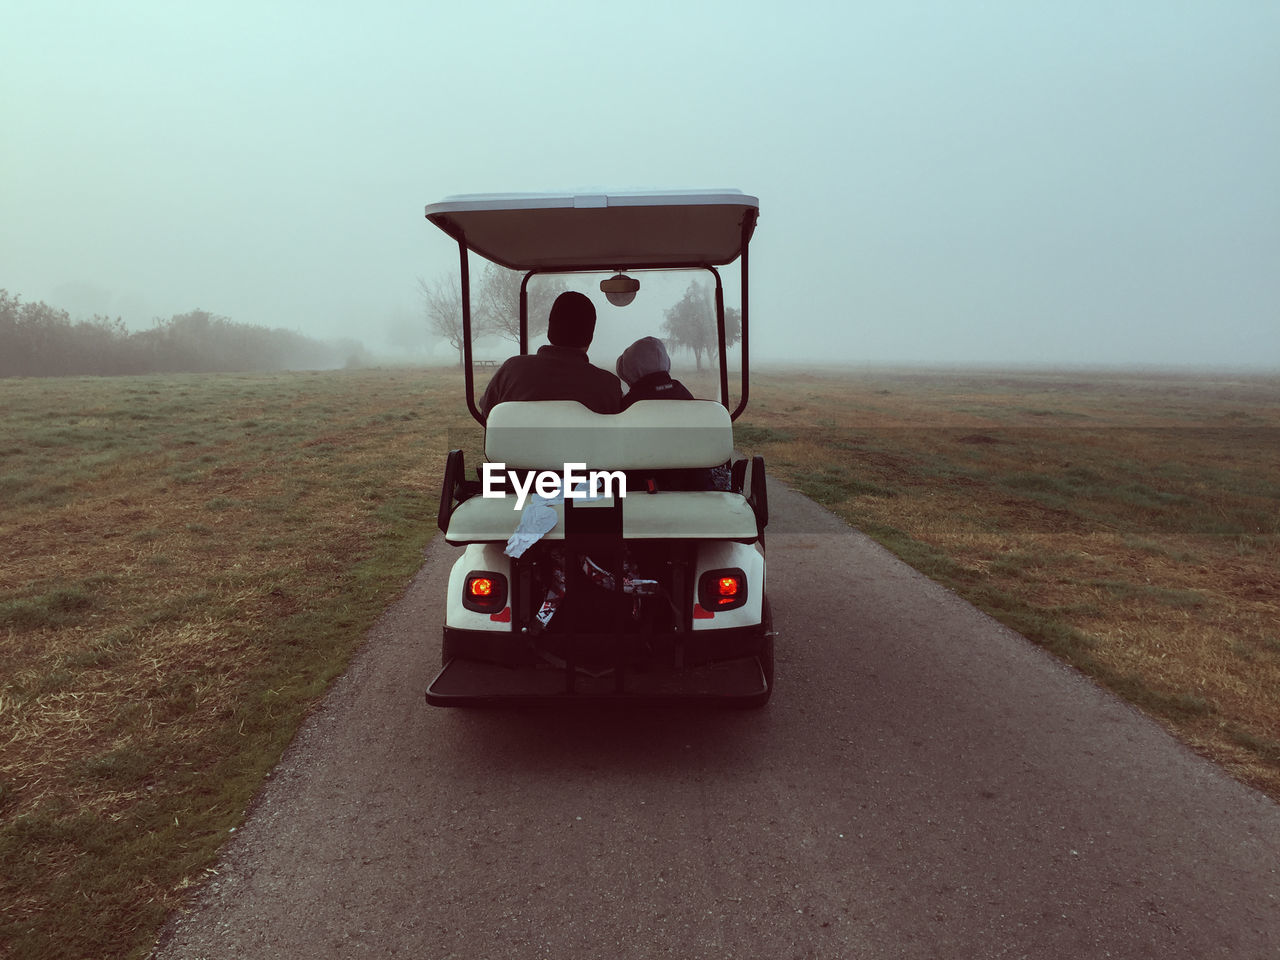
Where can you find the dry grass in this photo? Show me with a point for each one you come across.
(185, 563)
(1128, 523)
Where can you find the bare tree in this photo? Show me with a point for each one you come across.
(497, 301)
(442, 306)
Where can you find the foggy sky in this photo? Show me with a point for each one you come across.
(949, 182)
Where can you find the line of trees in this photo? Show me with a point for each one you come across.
(37, 340)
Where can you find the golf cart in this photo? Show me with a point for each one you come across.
(625, 580)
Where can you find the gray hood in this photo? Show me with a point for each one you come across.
(647, 355)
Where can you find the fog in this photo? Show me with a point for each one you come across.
(940, 183)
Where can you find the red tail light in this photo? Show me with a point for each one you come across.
(722, 589)
(484, 591)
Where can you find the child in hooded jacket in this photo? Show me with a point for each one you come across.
(645, 367)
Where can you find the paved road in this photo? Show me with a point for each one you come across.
(924, 784)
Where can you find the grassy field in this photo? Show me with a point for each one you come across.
(186, 562)
(1127, 523)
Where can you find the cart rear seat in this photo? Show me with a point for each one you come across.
(649, 435)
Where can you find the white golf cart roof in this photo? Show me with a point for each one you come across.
(601, 231)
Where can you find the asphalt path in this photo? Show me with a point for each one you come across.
(924, 783)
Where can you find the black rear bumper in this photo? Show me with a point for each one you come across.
(732, 666)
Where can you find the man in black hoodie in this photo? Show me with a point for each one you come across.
(560, 370)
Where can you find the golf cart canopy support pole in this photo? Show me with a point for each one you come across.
(748, 225)
(524, 312)
(466, 332)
